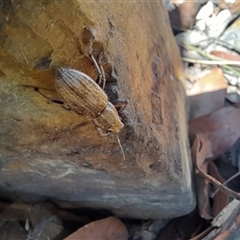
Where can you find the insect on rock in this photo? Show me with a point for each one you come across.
(85, 97)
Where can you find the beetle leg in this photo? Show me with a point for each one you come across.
(98, 69)
(98, 66)
(101, 133)
(120, 103)
(102, 70)
(66, 107)
(51, 100)
(79, 125)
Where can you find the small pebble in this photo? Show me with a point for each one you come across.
(157, 225)
(146, 235)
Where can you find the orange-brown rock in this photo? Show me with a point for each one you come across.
(50, 152)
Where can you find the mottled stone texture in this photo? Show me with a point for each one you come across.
(47, 151)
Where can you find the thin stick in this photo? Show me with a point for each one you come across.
(120, 145)
(210, 56)
(227, 181)
(204, 233)
(216, 62)
(103, 78)
(220, 186)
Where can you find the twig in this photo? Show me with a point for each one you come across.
(203, 61)
(204, 233)
(220, 186)
(210, 56)
(227, 181)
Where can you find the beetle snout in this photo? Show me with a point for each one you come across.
(116, 127)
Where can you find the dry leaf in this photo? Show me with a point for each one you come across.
(222, 126)
(182, 227)
(207, 94)
(201, 150)
(226, 55)
(183, 17)
(216, 133)
(106, 229)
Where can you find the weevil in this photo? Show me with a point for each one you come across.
(85, 97)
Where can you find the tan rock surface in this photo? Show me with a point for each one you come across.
(44, 154)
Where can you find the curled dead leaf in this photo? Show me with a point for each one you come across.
(104, 229)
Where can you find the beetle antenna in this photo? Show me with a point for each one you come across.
(120, 145)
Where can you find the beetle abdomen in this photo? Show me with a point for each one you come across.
(80, 93)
